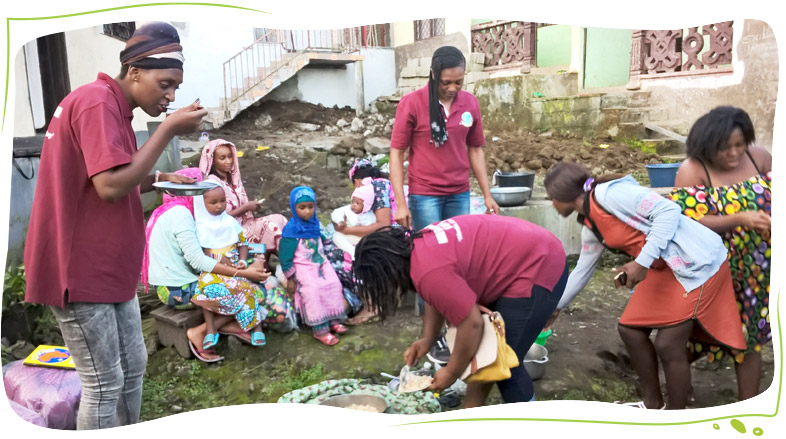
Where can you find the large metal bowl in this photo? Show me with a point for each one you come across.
(345, 401)
(511, 196)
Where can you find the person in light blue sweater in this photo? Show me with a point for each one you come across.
(174, 259)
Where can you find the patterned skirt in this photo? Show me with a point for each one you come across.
(231, 296)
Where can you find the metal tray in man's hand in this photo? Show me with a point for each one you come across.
(185, 189)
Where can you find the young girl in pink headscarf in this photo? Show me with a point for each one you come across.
(220, 164)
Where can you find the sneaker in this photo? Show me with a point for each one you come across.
(449, 399)
(439, 353)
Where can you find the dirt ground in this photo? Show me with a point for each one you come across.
(587, 360)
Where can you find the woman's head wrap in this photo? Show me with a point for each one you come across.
(446, 57)
(154, 46)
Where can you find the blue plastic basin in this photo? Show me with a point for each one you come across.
(662, 174)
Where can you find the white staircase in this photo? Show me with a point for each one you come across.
(271, 60)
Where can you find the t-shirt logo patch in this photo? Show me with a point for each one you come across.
(440, 228)
(466, 119)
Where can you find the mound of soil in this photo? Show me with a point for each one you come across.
(539, 152)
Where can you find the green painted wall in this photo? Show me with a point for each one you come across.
(607, 57)
(554, 45)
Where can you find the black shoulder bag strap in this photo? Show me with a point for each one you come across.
(586, 215)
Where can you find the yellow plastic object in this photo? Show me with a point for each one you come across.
(603, 145)
(262, 148)
(240, 154)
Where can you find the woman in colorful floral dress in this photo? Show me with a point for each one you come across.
(725, 184)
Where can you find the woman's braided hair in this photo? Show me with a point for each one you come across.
(381, 267)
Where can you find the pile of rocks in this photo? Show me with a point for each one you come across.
(368, 125)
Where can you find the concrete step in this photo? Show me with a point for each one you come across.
(664, 131)
(674, 157)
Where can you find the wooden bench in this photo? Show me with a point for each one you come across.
(172, 325)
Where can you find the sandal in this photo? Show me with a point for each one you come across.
(210, 341)
(258, 338)
(327, 338)
(356, 321)
(338, 328)
(200, 353)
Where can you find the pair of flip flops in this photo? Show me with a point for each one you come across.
(257, 337)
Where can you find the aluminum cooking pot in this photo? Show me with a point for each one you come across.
(513, 179)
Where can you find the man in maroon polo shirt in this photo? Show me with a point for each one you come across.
(85, 240)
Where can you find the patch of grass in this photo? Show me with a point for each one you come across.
(289, 379)
(640, 145)
(642, 177)
(154, 398)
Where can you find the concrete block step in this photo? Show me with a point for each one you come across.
(663, 131)
(674, 157)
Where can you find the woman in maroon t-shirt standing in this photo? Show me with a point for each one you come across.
(503, 263)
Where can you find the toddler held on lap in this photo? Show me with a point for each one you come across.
(221, 237)
(358, 212)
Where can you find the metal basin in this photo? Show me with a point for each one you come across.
(513, 179)
(345, 401)
(535, 361)
(511, 196)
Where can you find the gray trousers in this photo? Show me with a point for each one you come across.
(106, 344)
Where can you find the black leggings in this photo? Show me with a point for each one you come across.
(524, 319)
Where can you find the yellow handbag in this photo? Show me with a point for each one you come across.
(494, 358)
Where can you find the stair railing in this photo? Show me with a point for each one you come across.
(273, 50)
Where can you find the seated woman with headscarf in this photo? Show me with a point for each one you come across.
(174, 258)
(219, 163)
(383, 205)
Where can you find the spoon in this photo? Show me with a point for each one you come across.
(403, 377)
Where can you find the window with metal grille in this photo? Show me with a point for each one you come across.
(122, 31)
(429, 28)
